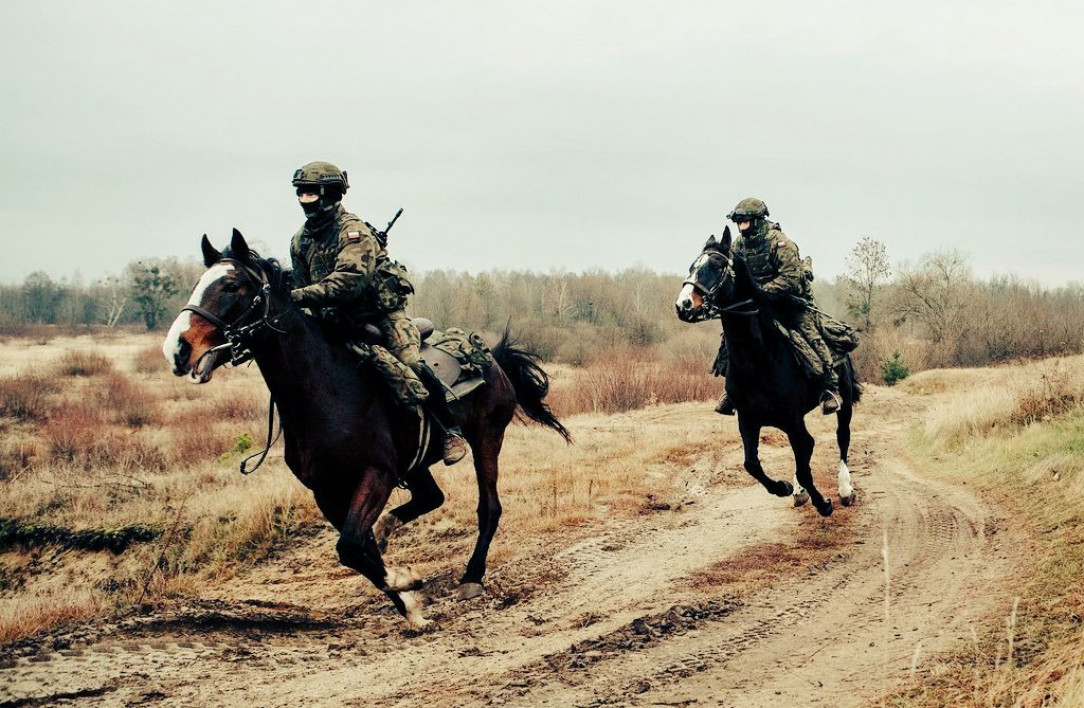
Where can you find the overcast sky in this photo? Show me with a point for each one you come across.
(549, 135)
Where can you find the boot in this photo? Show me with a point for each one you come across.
(830, 401)
(455, 447)
(724, 406)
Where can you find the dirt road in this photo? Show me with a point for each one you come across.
(703, 603)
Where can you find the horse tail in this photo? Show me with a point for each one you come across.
(850, 386)
(530, 381)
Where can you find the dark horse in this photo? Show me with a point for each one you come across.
(346, 439)
(763, 378)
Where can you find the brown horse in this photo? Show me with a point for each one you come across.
(346, 439)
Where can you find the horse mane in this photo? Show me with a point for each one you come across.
(280, 279)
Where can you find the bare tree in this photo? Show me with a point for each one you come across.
(867, 266)
(938, 295)
(112, 300)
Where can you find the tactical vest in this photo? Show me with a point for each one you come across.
(758, 251)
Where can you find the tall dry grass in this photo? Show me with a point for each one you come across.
(625, 378)
(1015, 432)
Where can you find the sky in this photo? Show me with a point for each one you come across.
(545, 136)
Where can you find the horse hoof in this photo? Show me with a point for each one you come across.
(783, 489)
(826, 509)
(470, 590)
(847, 501)
(801, 499)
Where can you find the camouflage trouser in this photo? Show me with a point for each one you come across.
(397, 361)
(805, 322)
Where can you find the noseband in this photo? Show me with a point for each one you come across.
(238, 334)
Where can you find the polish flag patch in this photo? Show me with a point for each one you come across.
(353, 235)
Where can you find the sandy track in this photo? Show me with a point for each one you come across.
(618, 623)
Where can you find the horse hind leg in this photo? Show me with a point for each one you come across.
(801, 495)
(843, 439)
(801, 442)
(425, 496)
(486, 454)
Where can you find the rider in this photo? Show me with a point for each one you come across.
(774, 263)
(336, 257)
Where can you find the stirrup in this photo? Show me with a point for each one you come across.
(830, 402)
(455, 448)
(724, 406)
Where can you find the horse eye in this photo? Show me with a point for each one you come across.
(231, 287)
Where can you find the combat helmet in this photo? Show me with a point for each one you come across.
(751, 208)
(322, 175)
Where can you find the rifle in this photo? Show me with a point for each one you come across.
(382, 236)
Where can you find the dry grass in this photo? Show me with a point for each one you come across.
(1016, 432)
(999, 401)
(103, 449)
(626, 379)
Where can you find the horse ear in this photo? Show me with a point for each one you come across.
(239, 246)
(210, 255)
(710, 242)
(726, 241)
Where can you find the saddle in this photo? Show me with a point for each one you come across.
(457, 359)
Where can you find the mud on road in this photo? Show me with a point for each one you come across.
(704, 603)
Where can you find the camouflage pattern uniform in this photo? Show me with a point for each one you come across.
(774, 262)
(342, 273)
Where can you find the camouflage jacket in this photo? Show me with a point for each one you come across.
(335, 266)
(774, 261)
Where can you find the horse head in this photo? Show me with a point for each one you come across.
(228, 305)
(710, 283)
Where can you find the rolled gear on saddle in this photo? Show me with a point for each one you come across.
(406, 387)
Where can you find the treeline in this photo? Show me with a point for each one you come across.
(146, 293)
(933, 313)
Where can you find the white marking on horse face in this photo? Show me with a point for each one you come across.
(171, 348)
(685, 297)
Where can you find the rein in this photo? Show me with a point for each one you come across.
(238, 336)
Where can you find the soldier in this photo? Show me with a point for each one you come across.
(775, 264)
(340, 271)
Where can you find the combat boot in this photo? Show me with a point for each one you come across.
(830, 401)
(455, 446)
(724, 406)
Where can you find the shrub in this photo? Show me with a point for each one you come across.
(1054, 395)
(129, 403)
(27, 397)
(149, 360)
(894, 369)
(624, 379)
(83, 363)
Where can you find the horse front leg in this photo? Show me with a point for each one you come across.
(425, 496)
(486, 454)
(750, 438)
(358, 550)
(801, 442)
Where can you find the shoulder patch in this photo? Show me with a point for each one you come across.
(781, 244)
(353, 235)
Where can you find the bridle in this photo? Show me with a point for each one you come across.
(240, 333)
(709, 310)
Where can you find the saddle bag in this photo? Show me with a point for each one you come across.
(839, 336)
